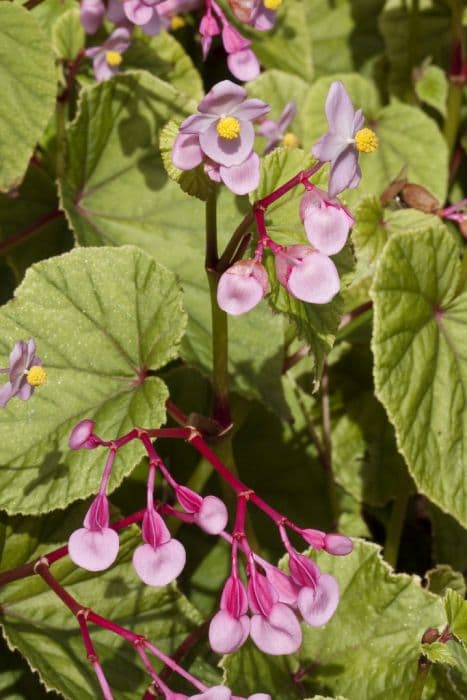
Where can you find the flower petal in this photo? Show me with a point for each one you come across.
(315, 279)
(329, 147)
(228, 152)
(343, 171)
(327, 228)
(251, 109)
(196, 124)
(94, 550)
(186, 152)
(212, 517)
(160, 566)
(217, 692)
(244, 65)
(277, 634)
(6, 393)
(226, 633)
(239, 290)
(319, 605)
(138, 12)
(340, 111)
(244, 178)
(222, 98)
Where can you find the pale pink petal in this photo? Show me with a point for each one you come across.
(155, 24)
(137, 12)
(119, 40)
(6, 393)
(115, 11)
(339, 545)
(264, 19)
(244, 178)
(318, 605)
(284, 586)
(196, 124)
(340, 112)
(355, 181)
(212, 516)
(344, 171)
(250, 110)
(94, 550)
(222, 98)
(261, 595)
(217, 692)
(101, 68)
(327, 229)
(278, 634)
(328, 147)
(228, 152)
(227, 633)
(212, 171)
(287, 116)
(244, 65)
(158, 567)
(186, 153)
(81, 435)
(315, 279)
(358, 121)
(24, 392)
(242, 287)
(91, 15)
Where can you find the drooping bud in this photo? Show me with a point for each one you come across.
(82, 436)
(242, 287)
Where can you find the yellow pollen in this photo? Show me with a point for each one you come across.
(289, 140)
(37, 376)
(113, 58)
(228, 128)
(366, 140)
(177, 22)
(272, 4)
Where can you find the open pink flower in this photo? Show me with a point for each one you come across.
(327, 223)
(242, 287)
(161, 559)
(107, 58)
(307, 274)
(274, 131)
(230, 627)
(94, 547)
(25, 372)
(345, 138)
(210, 513)
(274, 627)
(319, 593)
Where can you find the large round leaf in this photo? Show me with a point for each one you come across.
(27, 86)
(419, 346)
(101, 318)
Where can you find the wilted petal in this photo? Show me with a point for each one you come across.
(244, 178)
(277, 634)
(186, 152)
(244, 65)
(94, 550)
(318, 605)
(212, 517)
(327, 228)
(228, 152)
(160, 566)
(222, 98)
(227, 633)
(314, 280)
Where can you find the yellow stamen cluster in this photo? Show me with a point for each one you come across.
(366, 140)
(37, 376)
(177, 22)
(289, 140)
(113, 58)
(228, 128)
(272, 4)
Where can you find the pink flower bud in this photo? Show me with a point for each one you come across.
(242, 287)
(339, 545)
(190, 501)
(234, 597)
(82, 436)
(303, 571)
(232, 39)
(212, 517)
(307, 274)
(261, 595)
(315, 538)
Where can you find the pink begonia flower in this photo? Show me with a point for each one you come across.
(319, 593)
(25, 372)
(275, 131)
(345, 138)
(210, 513)
(241, 60)
(225, 137)
(307, 274)
(230, 627)
(274, 627)
(106, 58)
(161, 559)
(82, 436)
(327, 223)
(94, 547)
(91, 15)
(242, 286)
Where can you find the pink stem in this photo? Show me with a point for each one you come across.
(93, 658)
(107, 470)
(298, 179)
(174, 666)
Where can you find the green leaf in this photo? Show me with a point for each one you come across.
(407, 137)
(36, 621)
(250, 671)
(116, 191)
(101, 318)
(194, 182)
(439, 653)
(420, 368)
(411, 36)
(443, 577)
(456, 612)
(28, 88)
(68, 37)
(449, 539)
(35, 201)
(432, 87)
(16, 680)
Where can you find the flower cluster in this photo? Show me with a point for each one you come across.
(305, 270)
(25, 373)
(222, 137)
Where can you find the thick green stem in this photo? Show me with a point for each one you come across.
(423, 670)
(396, 524)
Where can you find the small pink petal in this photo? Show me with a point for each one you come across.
(81, 436)
(212, 516)
(217, 692)
(186, 152)
(344, 171)
(160, 566)
(339, 545)
(154, 530)
(284, 586)
(94, 550)
(244, 64)
(242, 287)
(137, 12)
(91, 15)
(227, 633)
(315, 279)
(277, 634)
(318, 605)
(340, 112)
(327, 228)
(222, 98)
(244, 178)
